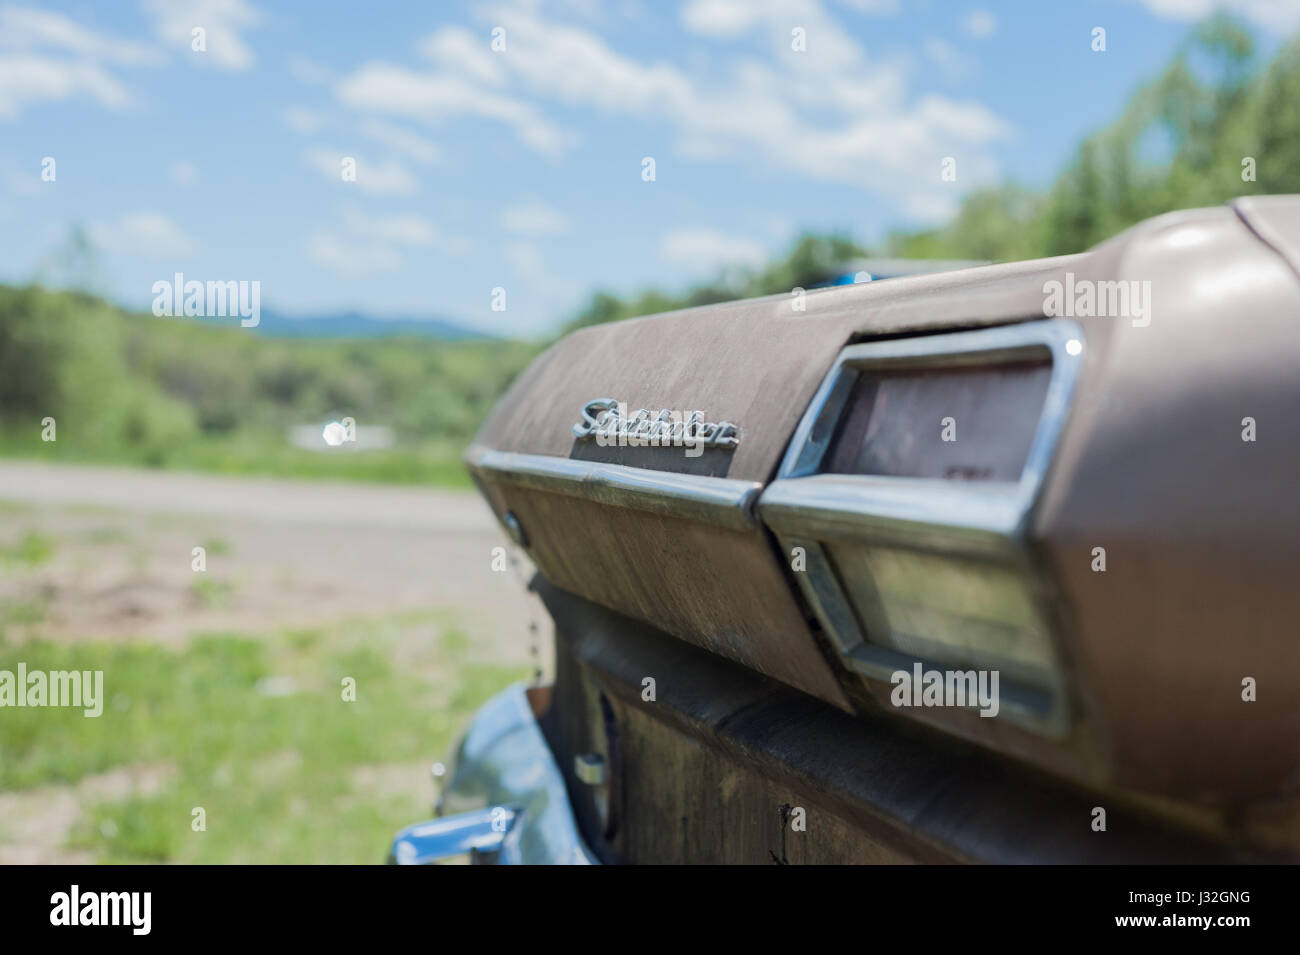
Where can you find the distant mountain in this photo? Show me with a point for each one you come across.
(357, 325)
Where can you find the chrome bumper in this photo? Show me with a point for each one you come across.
(507, 796)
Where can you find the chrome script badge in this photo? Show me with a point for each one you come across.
(606, 421)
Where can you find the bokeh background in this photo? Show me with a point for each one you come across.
(520, 169)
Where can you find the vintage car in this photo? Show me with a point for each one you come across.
(999, 564)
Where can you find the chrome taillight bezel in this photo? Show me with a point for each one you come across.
(980, 523)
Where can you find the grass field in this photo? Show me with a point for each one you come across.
(434, 462)
(223, 689)
(253, 730)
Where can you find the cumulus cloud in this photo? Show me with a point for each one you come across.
(981, 24)
(308, 72)
(461, 51)
(397, 229)
(386, 178)
(411, 145)
(351, 257)
(303, 120)
(952, 63)
(28, 80)
(879, 7)
(146, 234)
(436, 97)
(25, 28)
(831, 114)
(223, 21)
(47, 58)
(184, 173)
(705, 250)
(1277, 16)
(526, 259)
(730, 18)
(369, 243)
(720, 18)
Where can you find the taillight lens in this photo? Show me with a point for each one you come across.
(904, 500)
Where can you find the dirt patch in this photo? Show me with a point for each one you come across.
(35, 823)
(128, 572)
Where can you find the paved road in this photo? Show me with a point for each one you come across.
(321, 502)
(280, 553)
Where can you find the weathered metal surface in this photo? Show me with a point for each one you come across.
(712, 768)
(1199, 526)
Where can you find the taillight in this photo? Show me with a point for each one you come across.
(903, 504)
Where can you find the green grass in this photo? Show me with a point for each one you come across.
(30, 550)
(212, 593)
(23, 612)
(257, 453)
(274, 774)
(216, 547)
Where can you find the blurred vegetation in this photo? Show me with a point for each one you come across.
(1179, 144)
(167, 392)
(813, 260)
(174, 393)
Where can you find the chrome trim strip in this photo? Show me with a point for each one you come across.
(481, 835)
(912, 512)
(722, 501)
(875, 503)
(816, 428)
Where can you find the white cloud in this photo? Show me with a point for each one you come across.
(387, 178)
(437, 97)
(400, 229)
(350, 257)
(878, 7)
(981, 24)
(720, 18)
(1277, 16)
(28, 80)
(412, 145)
(833, 114)
(303, 120)
(535, 218)
(184, 173)
(147, 234)
(222, 20)
(952, 63)
(309, 72)
(369, 244)
(526, 259)
(578, 68)
(53, 58)
(708, 250)
(25, 28)
(461, 51)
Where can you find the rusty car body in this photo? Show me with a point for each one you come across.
(980, 469)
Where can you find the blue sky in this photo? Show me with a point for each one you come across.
(522, 168)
